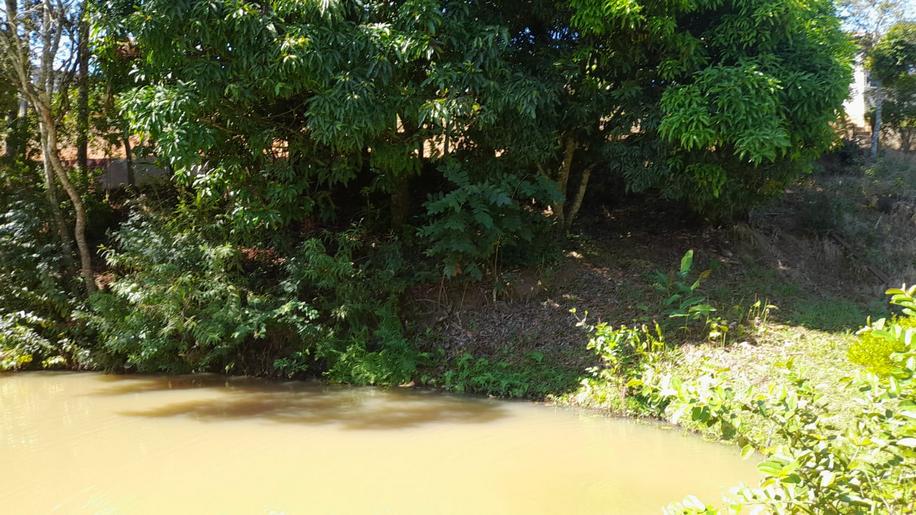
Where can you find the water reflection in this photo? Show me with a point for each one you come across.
(303, 403)
(87, 443)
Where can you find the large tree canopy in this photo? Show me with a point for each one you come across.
(748, 90)
(273, 108)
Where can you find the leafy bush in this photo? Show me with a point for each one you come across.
(892, 61)
(470, 224)
(813, 459)
(683, 298)
(181, 303)
(685, 302)
(625, 354)
(532, 377)
(746, 95)
(36, 288)
(358, 300)
(811, 463)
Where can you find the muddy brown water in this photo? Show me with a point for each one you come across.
(91, 443)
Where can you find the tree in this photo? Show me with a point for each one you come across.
(868, 20)
(893, 62)
(716, 103)
(586, 99)
(38, 55)
(279, 114)
(295, 103)
(9, 107)
(82, 102)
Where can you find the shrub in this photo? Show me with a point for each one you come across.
(36, 287)
(685, 302)
(468, 226)
(625, 353)
(530, 377)
(892, 61)
(179, 304)
(357, 295)
(683, 298)
(183, 303)
(811, 464)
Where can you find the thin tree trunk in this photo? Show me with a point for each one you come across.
(580, 194)
(16, 120)
(49, 144)
(876, 127)
(82, 107)
(129, 160)
(39, 89)
(51, 193)
(400, 201)
(569, 151)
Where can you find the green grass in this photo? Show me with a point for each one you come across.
(530, 376)
(829, 314)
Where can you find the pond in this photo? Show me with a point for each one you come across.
(92, 443)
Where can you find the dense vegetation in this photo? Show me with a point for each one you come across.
(328, 164)
(813, 455)
(892, 62)
(317, 148)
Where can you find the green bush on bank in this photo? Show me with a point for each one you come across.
(533, 376)
(812, 461)
(180, 302)
(36, 281)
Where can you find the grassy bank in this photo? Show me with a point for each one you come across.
(796, 285)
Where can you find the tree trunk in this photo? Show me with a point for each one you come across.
(38, 87)
(49, 145)
(876, 126)
(129, 161)
(15, 139)
(82, 106)
(51, 193)
(400, 202)
(580, 194)
(569, 152)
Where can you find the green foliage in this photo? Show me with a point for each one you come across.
(183, 302)
(179, 303)
(686, 302)
(747, 91)
(358, 297)
(683, 298)
(36, 287)
(892, 61)
(300, 101)
(882, 344)
(878, 343)
(469, 225)
(459, 127)
(811, 463)
(625, 354)
(532, 377)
